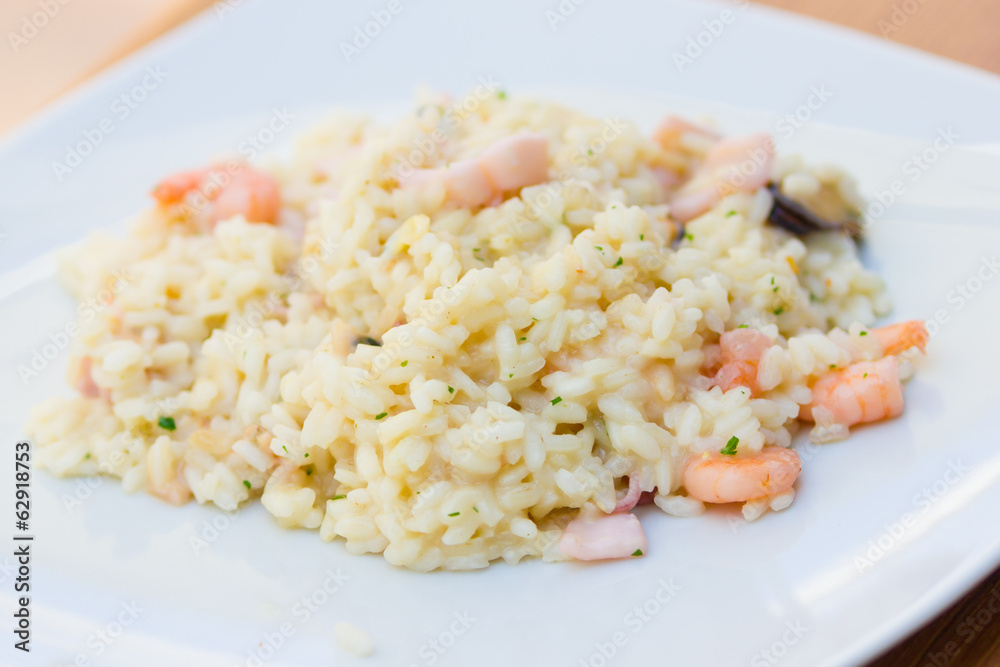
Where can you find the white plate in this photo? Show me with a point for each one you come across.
(806, 586)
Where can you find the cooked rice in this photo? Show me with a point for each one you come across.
(532, 353)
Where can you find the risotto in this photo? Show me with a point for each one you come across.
(490, 329)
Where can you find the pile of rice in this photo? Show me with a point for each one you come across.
(449, 386)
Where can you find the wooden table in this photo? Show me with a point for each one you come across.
(86, 35)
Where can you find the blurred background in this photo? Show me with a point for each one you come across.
(53, 45)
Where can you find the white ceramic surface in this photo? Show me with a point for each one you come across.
(808, 586)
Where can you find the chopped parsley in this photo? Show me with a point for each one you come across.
(590, 152)
(730, 447)
(730, 214)
(599, 248)
(451, 390)
(454, 514)
(772, 280)
(743, 326)
(642, 237)
(779, 311)
(865, 375)
(476, 249)
(342, 497)
(403, 363)
(510, 376)
(688, 236)
(863, 333)
(87, 456)
(306, 455)
(637, 552)
(285, 448)
(775, 289)
(475, 509)
(309, 471)
(247, 484)
(381, 415)
(620, 261)
(502, 94)
(833, 365)
(557, 400)
(534, 319)
(523, 338)
(167, 423)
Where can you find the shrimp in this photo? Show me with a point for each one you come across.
(732, 165)
(511, 163)
(81, 378)
(865, 391)
(720, 478)
(671, 130)
(743, 345)
(741, 353)
(228, 192)
(465, 182)
(896, 338)
(737, 374)
(606, 536)
(631, 497)
(174, 492)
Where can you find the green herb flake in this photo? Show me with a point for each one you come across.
(309, 471)
(451, 390)
(523, 338)
(599, 248)
(247, 484)
(510, 375)
(285, 448)
(730, 448)
(772, 280)
(743, 326)
(775, 289)
(534, 319)
(167, 423)
(381, 415)
(642, 237)
(590, 152)
(403, 364)
(342, 497)
(730, 214)
(833, 365)
(454, 514)
(557, 400)
(779, 311)
(87, 456)
(865, 375)
(620, 261)
(688, 236)
(475, 509)
(501, 94)
(637, 552)
(863, 333)
(306, 455)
